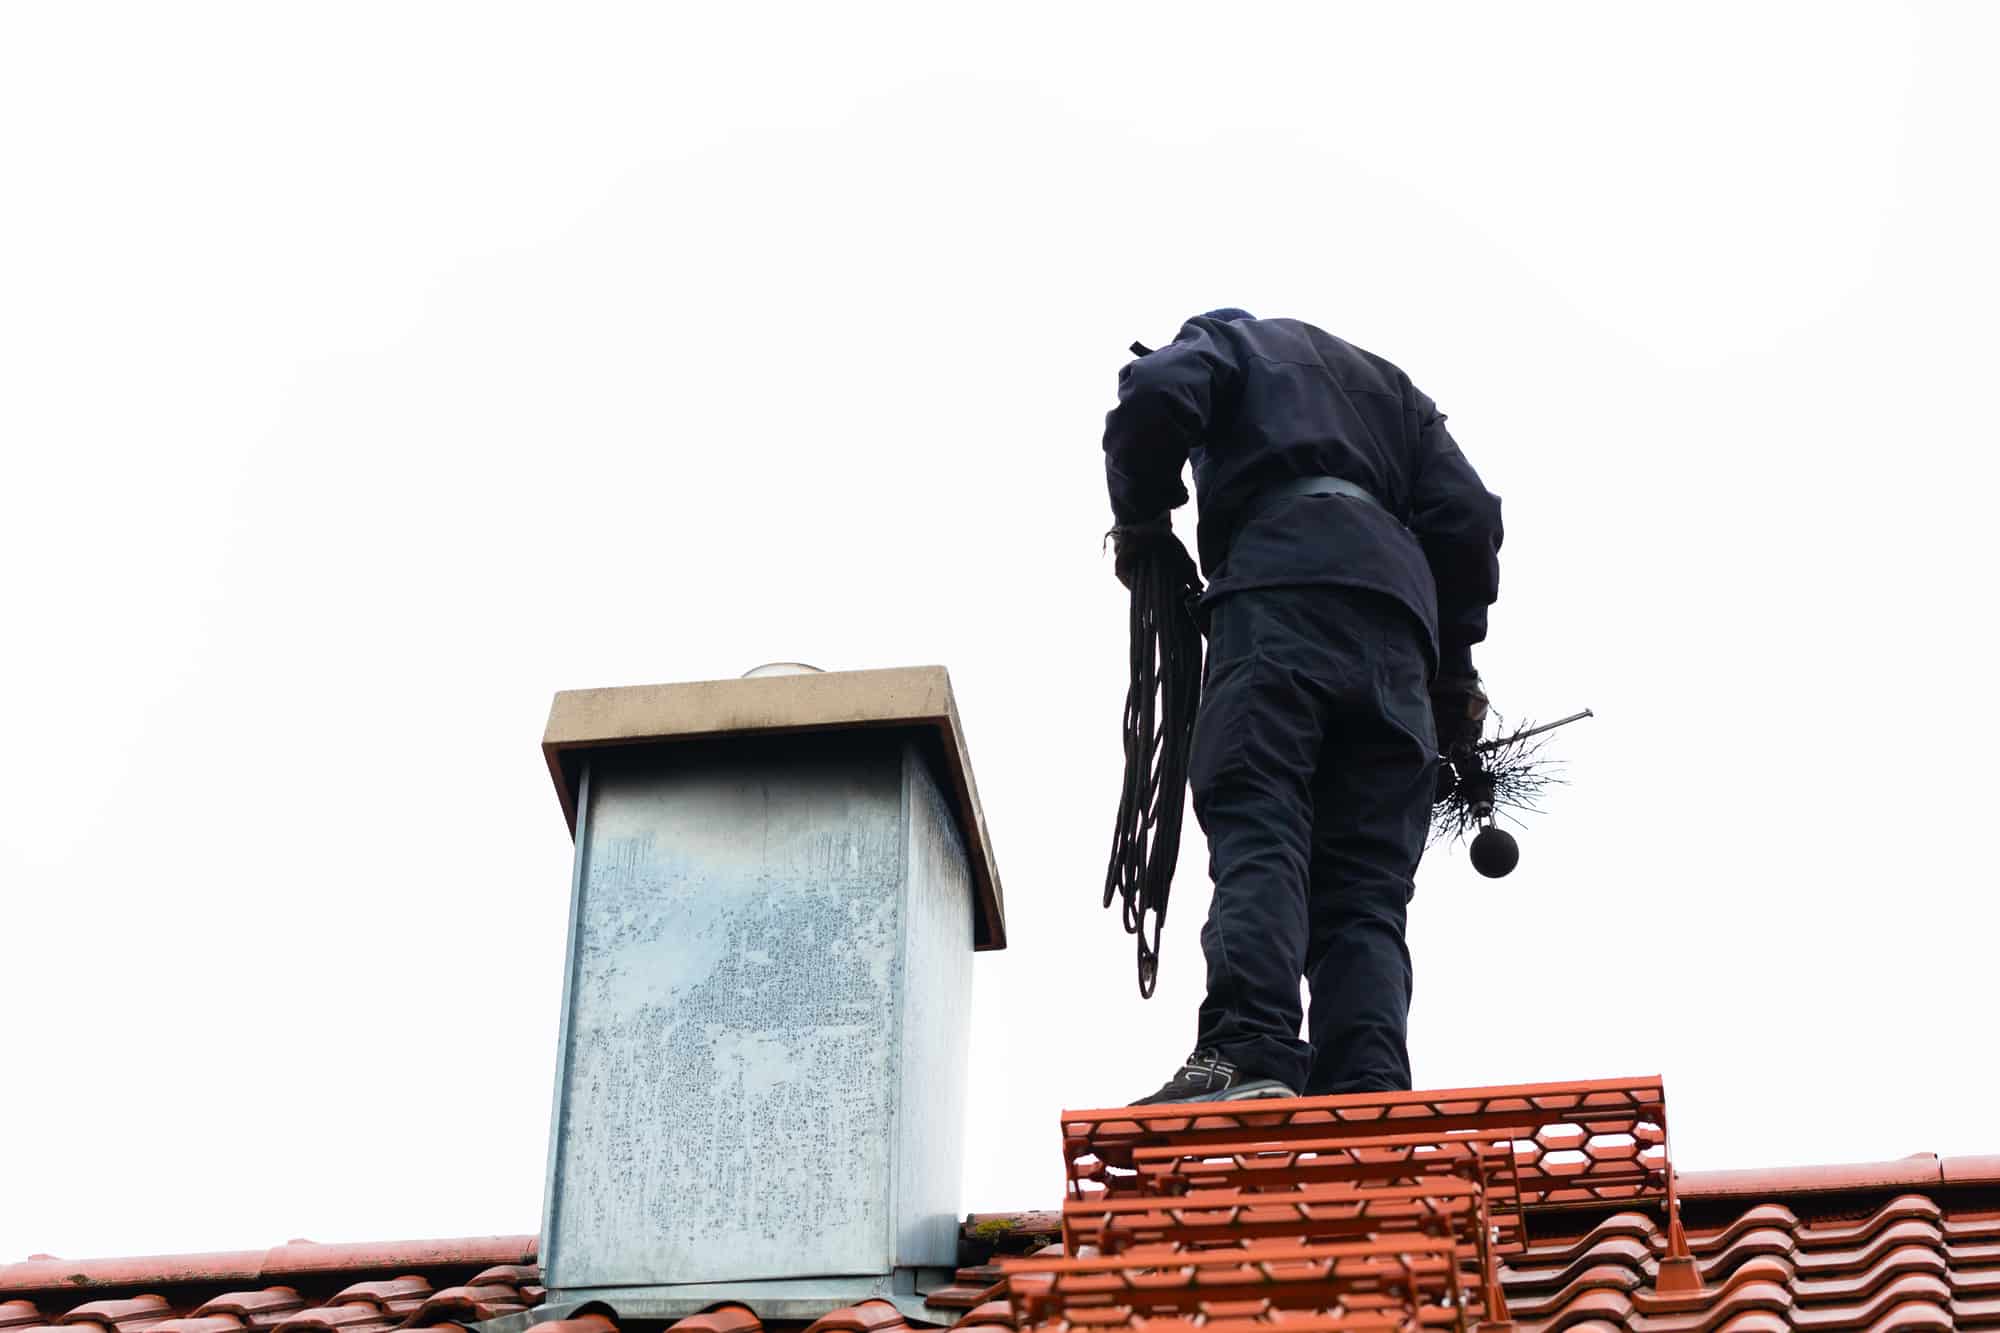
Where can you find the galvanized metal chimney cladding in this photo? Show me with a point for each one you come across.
(778, 888)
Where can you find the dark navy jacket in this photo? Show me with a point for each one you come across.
(1252, 403)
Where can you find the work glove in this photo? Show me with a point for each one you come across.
(1131, 543)
(1458, 707)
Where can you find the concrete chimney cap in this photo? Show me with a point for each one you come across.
(913, 699)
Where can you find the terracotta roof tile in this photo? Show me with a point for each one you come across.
(292, 1260)
(126, 1316)
(359, 1317)
(1898, 1264)
(1763, 1242)
(469, 1303)
(726, 1319)
(1755, 1321)
(266, 1307)
(1920, 1171)
(1915, 1304)
(1970, 1170)
(1773, 1217)
(1891, 1267)
(960, 1296)
(1617, 1278)
(210, 1323)
(1909, 1261)
(591, 1323)
(1911, 1244)
(1814, 1262)
(867, 1317)
(1976, 1314)
(396, 1295)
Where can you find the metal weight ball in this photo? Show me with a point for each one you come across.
(1494, 852)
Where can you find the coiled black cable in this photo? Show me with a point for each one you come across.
(1160, 705)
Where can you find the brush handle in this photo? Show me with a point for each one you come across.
(1499, 741)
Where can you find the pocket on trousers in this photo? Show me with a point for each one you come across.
(1405, 699)
(1219, 726)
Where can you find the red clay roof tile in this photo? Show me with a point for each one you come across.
(1919, 1172)
(1821, 1263)
(266, 1307)
(469, 1303)
(1915, 1303)
(1897, 1264)
(960, 1296)
(1912, 1244)
(1977, 1313)
(1597, 1277)
(724, 1319)
(294, 1259)
(207, 1323)
(1905, 1262)
(357, 1318)
(1982, 1170)
(867, 1317)
(398, 1295)
(517, 1275)
(586, 1323)
(1755, 1321)
(126, 1316)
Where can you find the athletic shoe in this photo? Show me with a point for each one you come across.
(1207, 1077)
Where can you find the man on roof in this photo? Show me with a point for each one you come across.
(1351, 553)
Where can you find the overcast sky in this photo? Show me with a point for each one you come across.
(369, 373)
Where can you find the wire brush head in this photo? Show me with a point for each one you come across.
(1511, 774)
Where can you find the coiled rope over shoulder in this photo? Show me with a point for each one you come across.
(1160, 705)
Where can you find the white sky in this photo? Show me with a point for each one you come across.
(368, 373)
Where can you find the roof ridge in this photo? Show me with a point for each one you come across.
(1917, 1171)
(294, 1258)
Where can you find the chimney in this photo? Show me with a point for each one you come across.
(778, 886)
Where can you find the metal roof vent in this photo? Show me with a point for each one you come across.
(778, 886)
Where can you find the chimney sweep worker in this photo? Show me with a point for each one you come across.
(1351, 553)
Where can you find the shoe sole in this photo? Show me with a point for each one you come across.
(1261, 1090)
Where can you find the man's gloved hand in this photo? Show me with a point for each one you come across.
(1458, 706)
(1130, 543)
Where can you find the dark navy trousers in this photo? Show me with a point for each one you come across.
(1313, 771)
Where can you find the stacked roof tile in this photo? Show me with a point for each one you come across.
(1179, 1221)
(1375, 1210)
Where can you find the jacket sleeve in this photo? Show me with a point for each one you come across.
(1457, 522)
(1166, 401)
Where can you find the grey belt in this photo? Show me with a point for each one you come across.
(1285, 490)
(1273, 495)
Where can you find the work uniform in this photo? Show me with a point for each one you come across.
(1329, 618)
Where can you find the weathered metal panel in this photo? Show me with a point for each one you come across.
(730, 1067)
(909, 701)
(936, 1024)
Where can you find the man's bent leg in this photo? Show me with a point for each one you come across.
(1257, 742)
